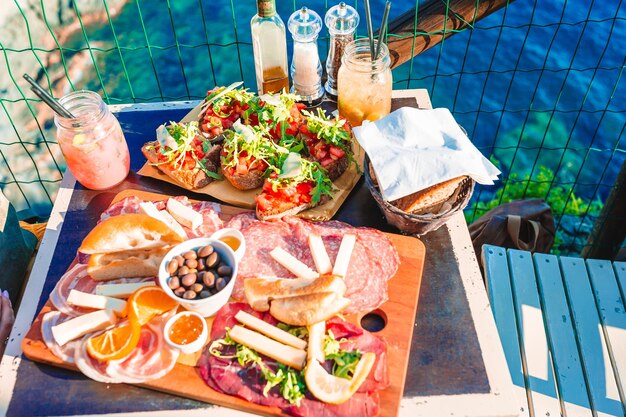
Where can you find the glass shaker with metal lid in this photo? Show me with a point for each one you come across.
(341, 21)
(306, 69)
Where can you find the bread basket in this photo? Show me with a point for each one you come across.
(418, 224)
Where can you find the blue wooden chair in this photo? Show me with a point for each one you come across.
(562, 323)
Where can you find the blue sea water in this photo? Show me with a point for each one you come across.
(535, 84)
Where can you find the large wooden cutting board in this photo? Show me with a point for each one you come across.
(398, 314)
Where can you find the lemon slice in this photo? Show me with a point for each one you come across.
(332, 389)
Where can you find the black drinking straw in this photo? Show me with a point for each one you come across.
(370, 31)
(47, 98)
(383, 29)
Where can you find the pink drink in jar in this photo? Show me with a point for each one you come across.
(93, 143)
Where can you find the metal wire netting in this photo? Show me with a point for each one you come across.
(535, 84)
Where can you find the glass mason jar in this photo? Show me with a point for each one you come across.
(364, 86)
(92, 142)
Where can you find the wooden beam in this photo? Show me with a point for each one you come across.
(609, 229)
(431, 21)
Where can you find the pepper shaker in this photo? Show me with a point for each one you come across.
(306, 69)
(341, 21)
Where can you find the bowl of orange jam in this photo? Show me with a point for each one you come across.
(233, 238)
(187, 331)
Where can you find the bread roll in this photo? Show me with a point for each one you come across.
(305, 310)
(131, 264)
(429, 199)
(260, 291)
(128, 232)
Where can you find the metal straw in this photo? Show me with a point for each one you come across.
(370, 31)
(47, 98)
(382, 31)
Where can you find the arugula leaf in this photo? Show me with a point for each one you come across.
(310, 171)
(344, 362)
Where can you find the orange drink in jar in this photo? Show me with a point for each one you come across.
(364, 85)
(92, 142)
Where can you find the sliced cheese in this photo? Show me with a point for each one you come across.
(121, 290)
(81, 325)
(183, 214)
(292, 264)
(315, 351)
(269, 330)
(173, 224)
(100, 302)
(320, 256)
(288, 355)
(149, 209)
(343, 256)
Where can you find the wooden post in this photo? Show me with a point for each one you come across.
(609, 229)
(431, 20)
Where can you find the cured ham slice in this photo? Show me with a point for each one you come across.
(77, 279)
(151, 359)
(374, 259)
(210, 224)
(65, 352)
(228, 376)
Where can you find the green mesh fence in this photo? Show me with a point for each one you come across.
(537, 85)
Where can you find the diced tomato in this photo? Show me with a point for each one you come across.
(300, 106)
(326, 162)
(216, 131)
(338, 152)
(263, 203)
(304, 128)
(241, 169)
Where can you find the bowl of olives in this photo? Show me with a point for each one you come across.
(200, 274)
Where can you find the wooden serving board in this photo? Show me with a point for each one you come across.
(398, 314)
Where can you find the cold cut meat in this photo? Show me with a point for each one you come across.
(76, 278)
(226, 375)
(374, 259)
(65, 352)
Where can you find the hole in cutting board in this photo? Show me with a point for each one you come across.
(374, 321)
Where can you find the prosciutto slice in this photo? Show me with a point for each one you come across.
(76, 278)
(374, 259)
(229, 377)
(151, 359)
(65, 352)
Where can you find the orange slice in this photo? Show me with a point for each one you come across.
(115, 343)
(332, 389)
(148, 302)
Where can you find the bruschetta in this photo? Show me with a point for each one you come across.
(222, 107)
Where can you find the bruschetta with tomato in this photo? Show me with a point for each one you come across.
(299, 185)
(280, 113)
(181, 152)
(222, 107)
(327, 141)
(247, 153)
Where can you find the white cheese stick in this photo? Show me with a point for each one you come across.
(269, 330)
(288, 355)
(315, 351)
(81, 325)
(320, 256)
(173, 224)
(121, 290)
(292, 264)
(100, 302)
(343, 256)
(183, 214)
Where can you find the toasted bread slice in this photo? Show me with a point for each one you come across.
(131, 264)
(190, 179)
(253, 179)
(425, 201)
(304, 310)
(337, 167)
(284, 209)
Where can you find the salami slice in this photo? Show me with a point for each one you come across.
(76, 278)
(374, 259)
(65, 352)
(124, 206)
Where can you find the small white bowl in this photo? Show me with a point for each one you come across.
(194, 346)
(234, 233)
(206, 307)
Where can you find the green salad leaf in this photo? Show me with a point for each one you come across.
(344, 362)
(254, 141)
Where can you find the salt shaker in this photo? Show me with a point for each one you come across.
(306, 69)
(341, 21)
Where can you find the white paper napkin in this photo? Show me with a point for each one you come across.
(412, 149)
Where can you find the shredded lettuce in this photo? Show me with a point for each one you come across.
(344, 362)
(260, 146)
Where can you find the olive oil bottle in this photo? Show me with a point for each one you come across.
(269, 43)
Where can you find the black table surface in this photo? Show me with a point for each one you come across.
(445, 354)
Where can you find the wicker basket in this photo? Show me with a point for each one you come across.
(417, 224)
